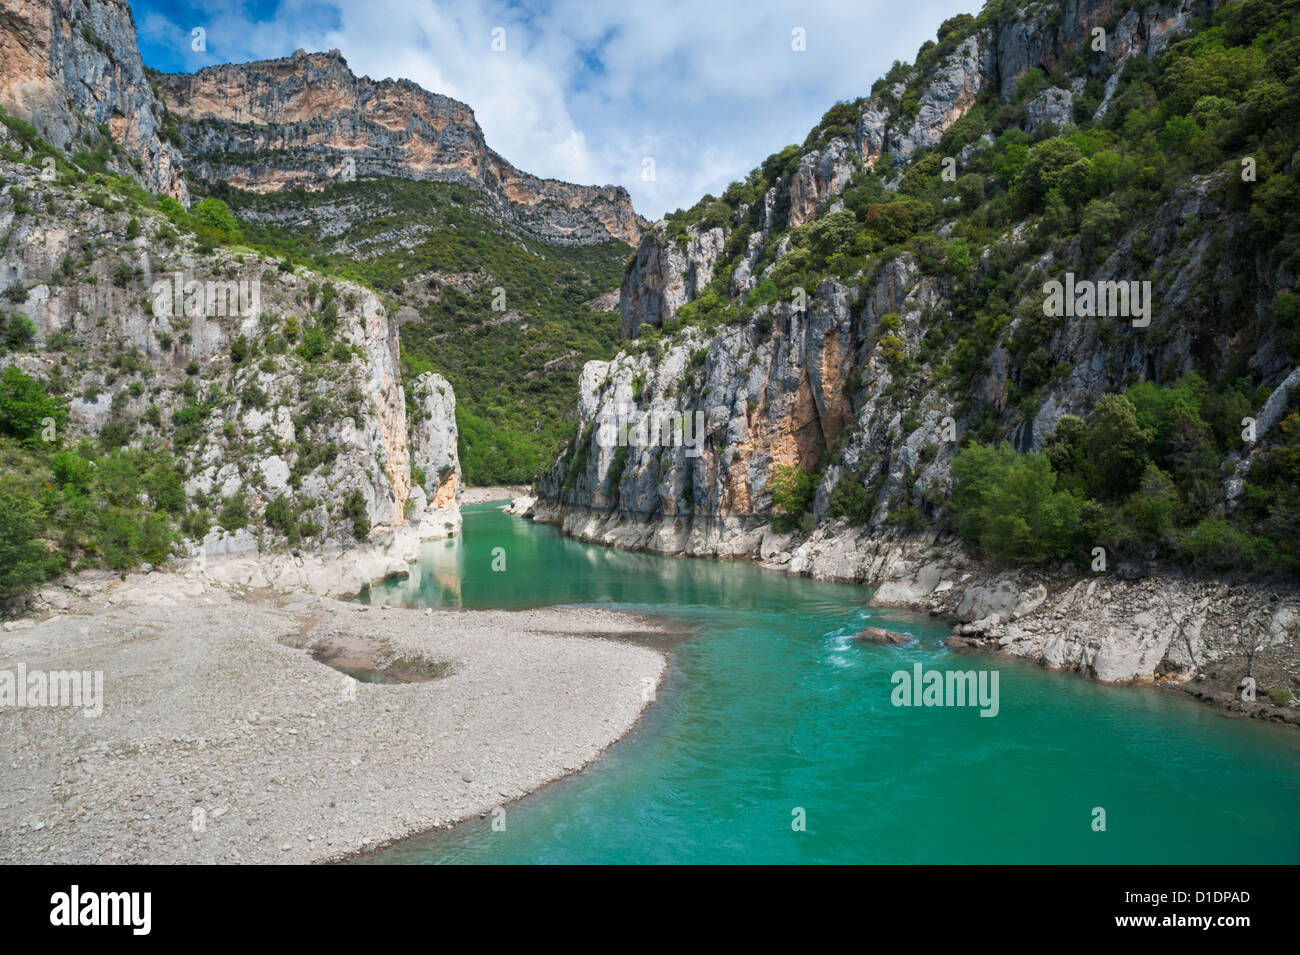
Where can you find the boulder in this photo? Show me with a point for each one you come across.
(877, 635)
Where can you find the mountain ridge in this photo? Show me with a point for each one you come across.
(307, 119)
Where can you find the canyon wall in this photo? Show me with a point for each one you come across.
(72, 69)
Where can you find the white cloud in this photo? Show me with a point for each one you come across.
(585, 91)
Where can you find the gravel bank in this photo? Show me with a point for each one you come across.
(217, 718)
(483, 495)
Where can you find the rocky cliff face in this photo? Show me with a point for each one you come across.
(852, 381)
(997, 57)
(665, 274)
(306, 120)
(813, 386)
(993, 59)
(72, 69)
(308, 442)
(433, 441)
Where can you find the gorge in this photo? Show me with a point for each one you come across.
(991, 376)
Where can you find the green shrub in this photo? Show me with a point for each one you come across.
(24, 560)
(354, 507)
(793, 491)
(234, 512)
(215, 213)
(25, 409)
(1007, 504)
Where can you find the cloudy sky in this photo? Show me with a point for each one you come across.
(588, 90)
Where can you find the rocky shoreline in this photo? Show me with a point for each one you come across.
(223, 738)
(1139, 625)
(238, 559)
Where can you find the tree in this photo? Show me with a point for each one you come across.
(18, 332)
(1008, 504)
(1100, 223)
(117, 479)
(833, 233)
(24, 561)
(354, 507)
(215, 213)
(970, 189)
(1214, 71)
(1043, 171)
(793, 491)
(1117, 446)
(25, 409)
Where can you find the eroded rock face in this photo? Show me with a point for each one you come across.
(666, 274)
(307, 120)
(1055, 106)
(786, 386)
(821, 175)
(950, 93)
(219, 331)
(789, 385)
(72, 66)
(433, 439)
(997, 57)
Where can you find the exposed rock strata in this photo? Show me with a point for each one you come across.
(72, 69)
(307, 120)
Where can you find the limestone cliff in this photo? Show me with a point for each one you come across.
(858, 374)
(433, 441)
(72, 69)
(306, 120)
(278, 392)
(910, 115)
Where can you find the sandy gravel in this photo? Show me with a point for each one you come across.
(482, 495)
(212, 701)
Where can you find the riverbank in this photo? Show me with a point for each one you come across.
(1142, 626)
(223, 739)
(488, 495)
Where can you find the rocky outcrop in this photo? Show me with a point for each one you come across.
(307, 120)
(435, 457)
(947, 96)
(883, 637)
(665, 274)
(1055, 106)
(764, 400)
(821, 175)
(72, 69)
(996, 56)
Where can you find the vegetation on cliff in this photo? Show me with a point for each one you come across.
(1186, 180)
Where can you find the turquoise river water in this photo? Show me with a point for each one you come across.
(770, 708)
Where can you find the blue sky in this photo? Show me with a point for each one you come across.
(586, 91)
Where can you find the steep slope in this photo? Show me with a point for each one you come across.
(306, 121)
(508, 318)
(497, 278)
(168, 399)
(863, 320)
(500, 277)
(72, 69)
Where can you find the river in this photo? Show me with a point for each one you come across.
(774, 738)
